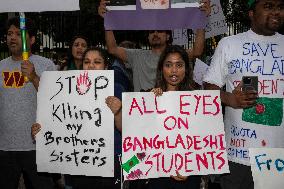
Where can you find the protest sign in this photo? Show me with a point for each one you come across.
(180, 37)
(122, 5)
(155, 4)
(200, 68)
(154, 19)
(178, 131)
(184, 3)
(216, 21)
(38, 5)
(77, 126)
(267, 166)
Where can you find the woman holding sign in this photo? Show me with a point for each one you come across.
(96, 59)
(174, 73)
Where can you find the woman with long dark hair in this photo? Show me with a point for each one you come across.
(174, 73)
(77, 47)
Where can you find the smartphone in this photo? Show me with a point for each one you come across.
(250, 83)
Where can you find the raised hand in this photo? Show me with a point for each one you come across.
(102, 8)
(205, 7)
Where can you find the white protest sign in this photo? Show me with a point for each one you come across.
(178, 131)
(200, 68)
(38, 5)
(216, 21)
(184, 3)
(122, 5)
(180, 37)
(155, 4)
(77, 126)
(267, 166)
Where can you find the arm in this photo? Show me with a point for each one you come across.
(198, 45)
(199, 41)
(237, 99)
(112, 47)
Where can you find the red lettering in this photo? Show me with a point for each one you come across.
(136, 142)
(181, 104)
(178, 156)
(148, 162)
(158, 144)
(166, 120)
(180, 141)
(221, 136)
(197, 104)
(219, 157)
(163, 164)
(203, 161)
(205, 139)
(144, 105)
(196, 142)
(212, 158)
(157, 158)
(159, 111)
(127, 145)
(264, 86)
(213, 142)
(274, 86)
(217, 105)
(205, 104)
(134, 104)
(186, 161)
(237, 142)
(232, 143)
(147, 143)
(181, 121)
(168, 143)
(189, 141)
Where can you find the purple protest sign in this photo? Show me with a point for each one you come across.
(159, 19)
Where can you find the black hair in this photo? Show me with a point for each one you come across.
(30, 26)
(187, 82)
(70, 57)
(170, 40)
(103, 53)
(168, 32)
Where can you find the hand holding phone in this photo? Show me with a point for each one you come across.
(250, 83)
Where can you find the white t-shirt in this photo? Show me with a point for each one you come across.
(249, 54)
